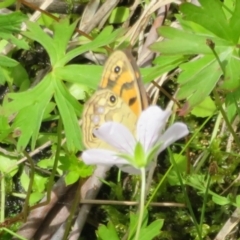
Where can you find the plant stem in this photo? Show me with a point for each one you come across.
(142, 201)
(3, 195)
(205, 201)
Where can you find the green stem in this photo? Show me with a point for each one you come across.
(158, 186)
(57, 154)
(13, 234)
(74, 206)
(30, 185)
(188, 202)
(217, 98)
(205, 201)
(142, 200)
(2, 199)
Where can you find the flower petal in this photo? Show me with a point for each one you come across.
(117, 136)
(150, 125)
(173, 133)
(101, 157)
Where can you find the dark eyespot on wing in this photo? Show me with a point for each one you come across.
(132, 101)
(112, 99)
(117, 69)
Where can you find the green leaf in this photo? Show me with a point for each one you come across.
(152, 230)
(46, 20)
(5, 75)
(199, 24)
(62, 33)
(5, 128)
(220, 200)
(88, 75)
(35, 197)
(78, 91)
(213, 20)
(147, 232)
(71, 177)
(56, 46)
(40, 182)
(119, 15)
(10, 24)
(31, 106)
(46, 163)
(7, 163)
(182, 42)
(7, 3)
(105, 37)
(7, 66)
(193, 84)
(163, 64)
(20, 77)
(238, 200)
(107, 232)
(232, 73)
(232, 107)
(68, 108)
(234, 23)
(75, 168)
(181, 162)
(205, 109)
(7, 62)
(24, 180)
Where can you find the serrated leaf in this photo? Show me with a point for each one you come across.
(56, 46)
(10, 24)
(105, 37)
(193, 83)
(215, 21)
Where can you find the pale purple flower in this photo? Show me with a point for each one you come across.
(149, 133)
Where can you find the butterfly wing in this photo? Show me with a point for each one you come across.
(105, 106)
(122, 76)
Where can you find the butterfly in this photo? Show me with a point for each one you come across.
(120, 97)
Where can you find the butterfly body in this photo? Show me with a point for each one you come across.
(120, 98)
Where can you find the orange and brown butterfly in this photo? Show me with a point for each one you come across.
(120, 97)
